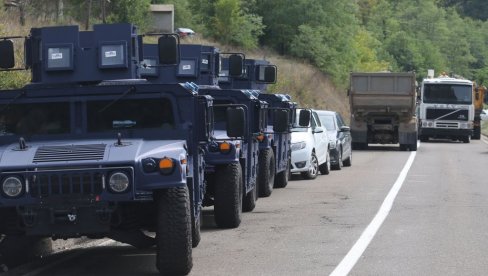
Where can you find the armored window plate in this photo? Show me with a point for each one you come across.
(112, 55)
(59, 57)
(187, 68)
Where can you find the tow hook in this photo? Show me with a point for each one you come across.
(64, 215)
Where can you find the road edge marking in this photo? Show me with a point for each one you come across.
(348, 262)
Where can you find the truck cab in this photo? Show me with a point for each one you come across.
(446, 109)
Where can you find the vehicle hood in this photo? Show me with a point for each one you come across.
(220, 134)
(88, 152)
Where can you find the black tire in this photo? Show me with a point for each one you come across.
(325, 167)
(228, 196)
(403, 147)
(281, 179)
(173, 232)
(348, 161)
(249, 200)
(195, 230)
(466, 139)
(413, 147)
(476, 133)
(313, 171)
(266, 172)
(339, 164)
(424, 138)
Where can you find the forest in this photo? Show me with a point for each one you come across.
(336, 36)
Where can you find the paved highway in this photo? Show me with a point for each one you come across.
(436, 226)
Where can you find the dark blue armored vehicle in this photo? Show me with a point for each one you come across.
(275, 151)
(90, 149)
(232, 166)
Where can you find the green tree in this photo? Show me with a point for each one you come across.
(232, 25)
(132, 11)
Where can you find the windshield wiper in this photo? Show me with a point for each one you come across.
(131, 89)
(5, 107)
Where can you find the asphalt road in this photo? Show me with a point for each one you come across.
(436, 226)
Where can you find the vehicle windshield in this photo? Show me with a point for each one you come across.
(35, 119)
(328, 121)
(447, 93)
(133, 114)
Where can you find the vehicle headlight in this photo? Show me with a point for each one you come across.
(12, 186)
(298, 146)
(119, 182)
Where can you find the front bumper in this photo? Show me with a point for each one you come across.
(443, 132)
(300, 160)
(334, 156)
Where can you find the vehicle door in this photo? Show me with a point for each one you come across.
(321, 139)
(344, 136)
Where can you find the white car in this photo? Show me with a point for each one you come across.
(309, 147)
(484, 115)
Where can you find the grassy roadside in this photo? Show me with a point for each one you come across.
(307, 86)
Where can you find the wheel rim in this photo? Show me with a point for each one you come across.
(314, 165)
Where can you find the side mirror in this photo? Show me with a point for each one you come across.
(281, 121)
(168, 48)
(7, 55)
(266, 73)
(304, 118)
(345, 129)
(236, 121)
(236, 65)
(318, 130)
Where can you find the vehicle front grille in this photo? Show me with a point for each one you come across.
(67, 183)
(446, 125)
(69, 153)
(447, 114)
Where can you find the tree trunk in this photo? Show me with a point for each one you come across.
(59, 10)
(22, 12)
(104, 17)
(88, 14)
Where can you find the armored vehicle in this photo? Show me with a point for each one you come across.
(232, 165)
(275, 151)
(90, 149)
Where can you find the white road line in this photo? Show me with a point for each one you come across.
(360, 246)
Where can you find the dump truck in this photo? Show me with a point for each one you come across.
(383, 109)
